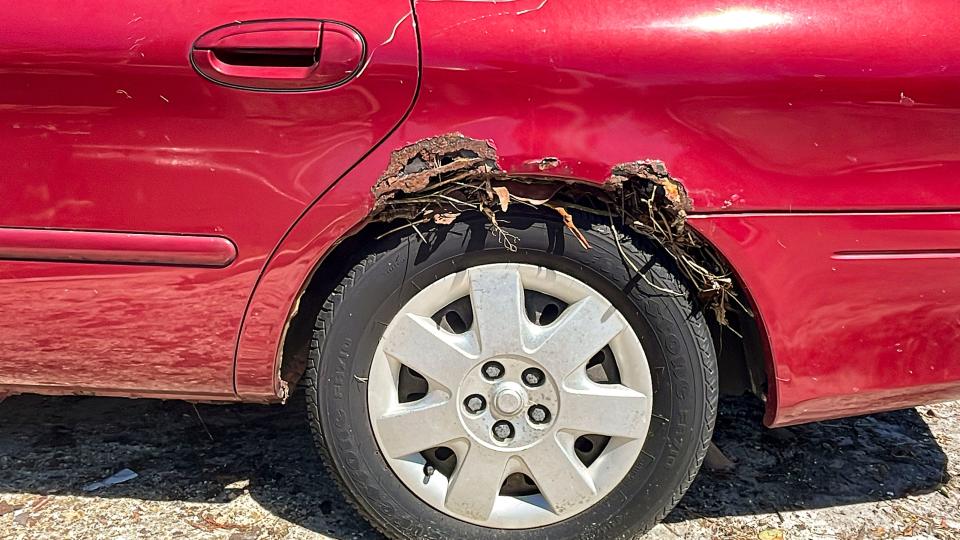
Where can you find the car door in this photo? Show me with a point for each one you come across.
(153, 154)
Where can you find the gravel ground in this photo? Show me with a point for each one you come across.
(247, 472)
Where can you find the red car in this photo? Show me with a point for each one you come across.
(512, 250)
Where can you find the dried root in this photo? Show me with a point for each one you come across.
(439, 178)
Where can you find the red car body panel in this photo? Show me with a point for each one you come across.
(829, 128)
(861, 311)
(106, 126)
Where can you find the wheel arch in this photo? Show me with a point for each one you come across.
(740, 345)
(275, 337)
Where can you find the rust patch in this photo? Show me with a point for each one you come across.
(655, 172)
(548, 163)
(651, 202)
(437, 179)
(412, 167)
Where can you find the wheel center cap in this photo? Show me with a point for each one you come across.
(508, 400)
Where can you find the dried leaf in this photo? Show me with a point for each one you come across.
(445, 218)
(717, 461)
(568, 221)
(535, 202)
(7, 508)
(771, 534)
(504, 195)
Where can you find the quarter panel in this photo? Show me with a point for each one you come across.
(759, 106)
(860, 309)
(786, 106)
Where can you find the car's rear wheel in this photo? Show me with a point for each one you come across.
(461, 390)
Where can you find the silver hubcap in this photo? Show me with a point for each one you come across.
(513, 428)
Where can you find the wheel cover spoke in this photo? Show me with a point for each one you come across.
(420, 344)
(475, 485)
(563, 480)
(580, 332)
(496, 295)
(605, 409)
(433, 422)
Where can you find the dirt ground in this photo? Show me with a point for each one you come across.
(250, 472)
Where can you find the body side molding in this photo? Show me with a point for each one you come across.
(58, 245)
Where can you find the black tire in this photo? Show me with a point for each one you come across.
(673, 331)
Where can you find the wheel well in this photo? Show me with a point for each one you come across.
(740, 354)
(435, 180)
(738, 342)
(325, 278)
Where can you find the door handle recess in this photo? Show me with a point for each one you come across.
(293, 55)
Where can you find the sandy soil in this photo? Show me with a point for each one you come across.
(250, 472)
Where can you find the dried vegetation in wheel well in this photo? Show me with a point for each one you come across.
(437, 179)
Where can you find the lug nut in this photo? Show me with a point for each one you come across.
(539, 414)
(503, 430)
(533, 377)
(493, 370)
(475, 403)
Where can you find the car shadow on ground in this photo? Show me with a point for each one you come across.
(824, 464)
(212, 453)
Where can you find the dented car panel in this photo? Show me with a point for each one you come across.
(830, 129)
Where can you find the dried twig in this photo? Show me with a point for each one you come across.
(629, 261)
(202, 423)
(404, 226)
(568, 221)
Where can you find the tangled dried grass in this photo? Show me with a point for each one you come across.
(437, 179)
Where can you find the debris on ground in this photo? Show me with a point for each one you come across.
(771, 534)
(7, 508)
(437, 179)
(885, 476)
(121, 476)
(717, 461)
